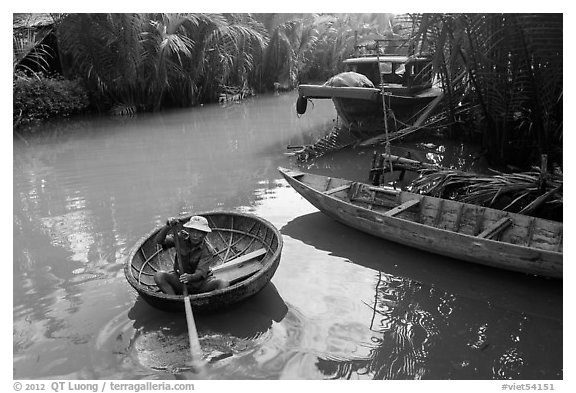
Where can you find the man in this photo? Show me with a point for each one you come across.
(194, 254)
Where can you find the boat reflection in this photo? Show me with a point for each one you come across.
(511, 290)
(436, 318)
(161, 338)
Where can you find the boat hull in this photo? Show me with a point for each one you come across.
(233, 235)
(436, 239)
(322, 91)
(360, 108)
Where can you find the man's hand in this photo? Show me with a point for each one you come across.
(172, 221)
(187, 278)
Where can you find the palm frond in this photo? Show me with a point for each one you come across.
(513, 64)
(517, 192)
(94, 42)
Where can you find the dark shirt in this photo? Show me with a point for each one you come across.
(196, 261)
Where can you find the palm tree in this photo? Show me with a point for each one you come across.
(151, 60)
(32, 52)
(105, 51)
(293, 40)
(230, 46)
(167, 49)
(28, 48)
(338, 36)
(506, 71)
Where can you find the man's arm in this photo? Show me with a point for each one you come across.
(163, 237)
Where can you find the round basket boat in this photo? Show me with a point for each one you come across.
(247, 252)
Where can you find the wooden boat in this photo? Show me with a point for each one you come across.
(458, 230)
(247, 250)
(405, 81)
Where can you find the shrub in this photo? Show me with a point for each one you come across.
(41, 97)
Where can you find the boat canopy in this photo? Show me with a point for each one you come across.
(384, 58)
(412, 72)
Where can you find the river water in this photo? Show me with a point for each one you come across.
(342, 304)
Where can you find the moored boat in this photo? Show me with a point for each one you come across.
(406, 82)
(458, 230)
(247, 252)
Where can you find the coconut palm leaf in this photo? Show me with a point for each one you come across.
(227, 50)
(518, 192)
(26, 46)
(94, 42)
(513, 64)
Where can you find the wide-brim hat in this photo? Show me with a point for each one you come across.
(199, 223)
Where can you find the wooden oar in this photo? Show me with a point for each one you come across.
(195, 349)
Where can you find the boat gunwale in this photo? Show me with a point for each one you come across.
(269, 262)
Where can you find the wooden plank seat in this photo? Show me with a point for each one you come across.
(336, 189)
(400, 208)
(239, 268)
(241, 259)
(493, 230)
(370, 195)
(239, 273)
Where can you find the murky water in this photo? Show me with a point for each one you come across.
(342, 305)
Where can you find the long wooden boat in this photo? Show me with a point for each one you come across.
(247, 250)
(458, 230)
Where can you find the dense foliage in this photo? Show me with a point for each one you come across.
(149, 61)
(41, 97)
(502, 74)
(184, 59)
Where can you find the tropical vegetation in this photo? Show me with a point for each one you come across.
(502, 76)
(501, 73)
(36, 93)
(41, 97)
(146, 62)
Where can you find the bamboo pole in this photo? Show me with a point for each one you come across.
(387, 146)
(195, 349)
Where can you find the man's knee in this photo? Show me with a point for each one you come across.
(161, 278)
(168, 283)
(215, 284)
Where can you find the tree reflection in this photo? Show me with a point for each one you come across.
(425, 333)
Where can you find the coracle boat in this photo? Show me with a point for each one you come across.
(247, 253)
(458, 230)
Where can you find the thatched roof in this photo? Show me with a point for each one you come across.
(31, 21)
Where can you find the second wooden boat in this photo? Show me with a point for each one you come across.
(458, 230)
(247, 252)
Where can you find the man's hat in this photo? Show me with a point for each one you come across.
(199, 223)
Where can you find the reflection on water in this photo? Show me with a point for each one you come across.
(160, 342)
(436, 318)
(341, 304)
(422, 333)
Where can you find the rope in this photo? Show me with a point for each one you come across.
(387, 146)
